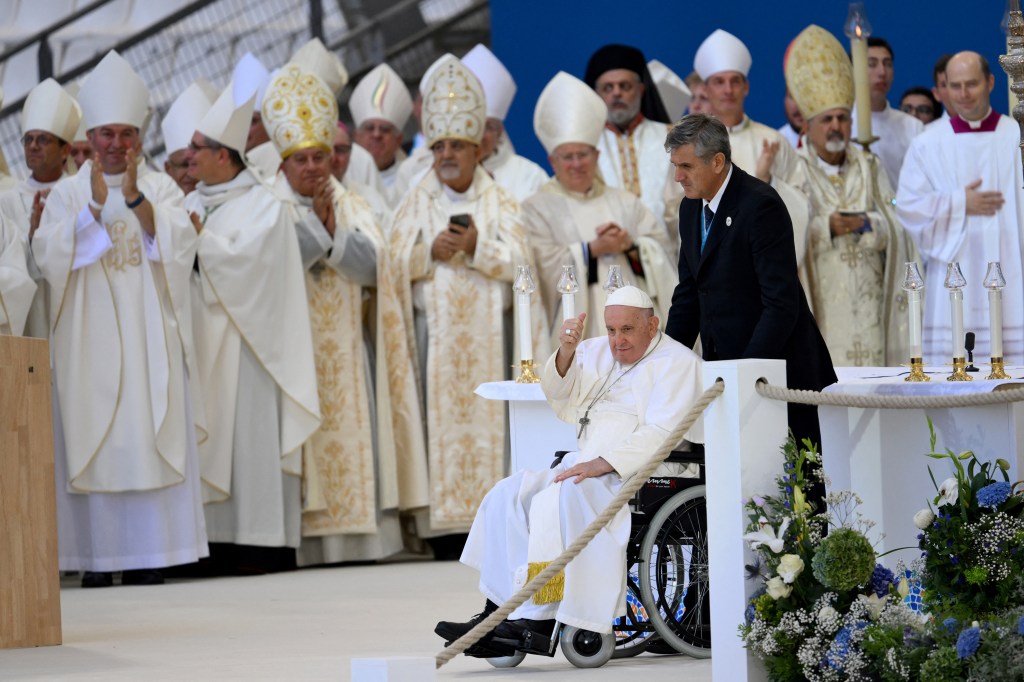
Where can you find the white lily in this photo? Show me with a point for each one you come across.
(949, 492)
(765, 535)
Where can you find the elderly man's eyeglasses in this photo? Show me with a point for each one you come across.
(42, 140)
(923, 109)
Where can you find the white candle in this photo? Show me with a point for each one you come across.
(956, 305)
(525, 333)
(914, 306)
(995, 316)
(861, 86)
(568, 306)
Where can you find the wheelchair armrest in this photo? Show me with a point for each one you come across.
(693, 455)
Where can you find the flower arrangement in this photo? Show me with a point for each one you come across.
(828, 611)
(973, 542)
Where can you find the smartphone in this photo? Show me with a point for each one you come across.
(458, 219)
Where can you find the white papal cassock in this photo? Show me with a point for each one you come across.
(931, 203)
(627, 425)
(127, 479)
(255, 360)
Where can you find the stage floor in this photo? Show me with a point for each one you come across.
(304, 625)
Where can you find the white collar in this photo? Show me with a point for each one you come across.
(717, 199)
(977, 124)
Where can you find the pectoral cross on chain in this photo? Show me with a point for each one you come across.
(584, 420)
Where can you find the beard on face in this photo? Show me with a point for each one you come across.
(835, 144)
(448, 171)
(621, 117)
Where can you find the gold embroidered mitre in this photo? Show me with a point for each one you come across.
(454, 107)
(299, 111)
(818, 72)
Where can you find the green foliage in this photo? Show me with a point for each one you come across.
(943, 665)
(844, 560)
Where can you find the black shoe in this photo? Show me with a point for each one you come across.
(95, 579)
(448, 547)
(145, 576)
(451, 631)
(524, 634)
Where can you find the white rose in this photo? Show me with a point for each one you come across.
(827, 614)
(948, 492)
(790, 566)
(924, 518)
(778, 589)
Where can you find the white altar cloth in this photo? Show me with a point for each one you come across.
(879, 454)
(534, 430)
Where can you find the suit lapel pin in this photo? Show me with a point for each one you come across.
(728, 221)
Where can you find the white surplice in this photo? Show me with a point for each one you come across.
(560, 222)
(931, 203)
(17, 287)
(895, 131)
(254, 355)
(632, 410)
(128, 481)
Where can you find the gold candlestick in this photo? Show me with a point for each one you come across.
(527, 372)
(917, 371)
(1013, 61)
(997, 370)
(959, 371)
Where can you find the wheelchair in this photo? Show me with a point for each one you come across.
(667, 590)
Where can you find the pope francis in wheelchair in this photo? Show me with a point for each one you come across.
(625, 394)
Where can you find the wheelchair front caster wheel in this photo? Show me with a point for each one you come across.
(586, 649)
(507, 661)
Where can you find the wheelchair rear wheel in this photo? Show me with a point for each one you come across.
(674, 573)
(633, 632)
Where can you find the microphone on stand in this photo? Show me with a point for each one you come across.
(969, 347)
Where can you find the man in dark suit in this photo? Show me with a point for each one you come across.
(738, 285)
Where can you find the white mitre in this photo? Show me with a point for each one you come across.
(315, 58)
(453, 104)
(425, 78)
(227, 124)
(113, 94)
(568, 110)
(249, 77)
(299, 111)
(631, 296)
(499, 87)
(674, 93)
(381, 94)
(73, 89)
(721, 51)
(184, 115)
(49, 107)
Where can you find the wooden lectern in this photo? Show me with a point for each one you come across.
(29, 575)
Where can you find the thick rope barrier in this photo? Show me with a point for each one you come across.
(627, 491)
(891, 402)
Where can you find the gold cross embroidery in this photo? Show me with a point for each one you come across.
(851, 254)
(858, 354)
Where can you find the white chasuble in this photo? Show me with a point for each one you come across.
(787, 178)
(249, 290)
(17, 289)
(931, 203)
(119, 313)
(463, 304)
(631, 410)
(855, 278)
(560, 222)
(16, 207)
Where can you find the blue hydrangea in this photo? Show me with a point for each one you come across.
(840, 649)
(994, 494)
(951, 624)
(881, 579)
(968, 642)
(1020, 626)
